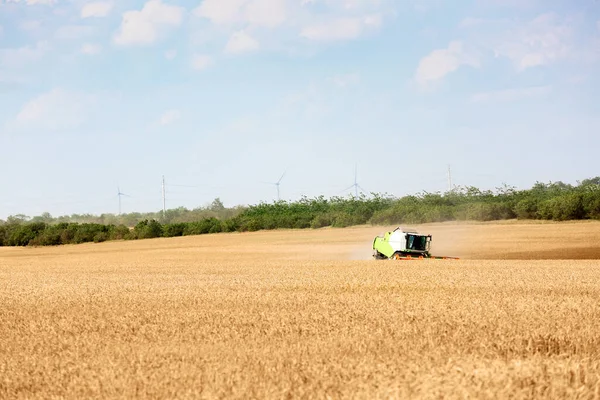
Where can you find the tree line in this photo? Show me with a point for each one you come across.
(544, 201)
(216, 209)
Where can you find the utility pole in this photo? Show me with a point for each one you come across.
(449, 178)
(164, 197)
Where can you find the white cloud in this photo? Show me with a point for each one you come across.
(373, 20)
(510, 94)
(169, 117)
(348, 5)
(546, 40)
(337, 29)
(220, 11)
(143, 27)
(23, 56)
(170, 54)
(424, 6)
(264, 13)
(34, 2)
(441, 62)
(96, 9)
(345, 80)
(55, 110)
(241, 42)
(519, 4)
(341, 28)
(91, 49)
(470, 22)
(542, 41)
(201, 62)
(290, 25)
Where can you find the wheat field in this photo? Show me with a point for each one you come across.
(306, 314)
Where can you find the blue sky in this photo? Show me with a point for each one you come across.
(224, 95)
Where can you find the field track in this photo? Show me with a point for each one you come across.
(306, 314)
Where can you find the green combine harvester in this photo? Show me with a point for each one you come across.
(404, 245)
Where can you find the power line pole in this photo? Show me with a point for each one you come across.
(164, 197)
(449, 178)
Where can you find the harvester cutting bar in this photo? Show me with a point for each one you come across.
(399, 257)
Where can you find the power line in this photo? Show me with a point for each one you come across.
(185, 186)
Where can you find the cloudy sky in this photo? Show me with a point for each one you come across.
(221, 96)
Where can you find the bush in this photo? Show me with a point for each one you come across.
(173, 230)
(321, 221)
(148, 229)
(120, 232)
(100, 237)
(401, 213)
(68, 233)
(207, 225)
(487, 211)
(85, 233)
(21, 235)
(231, 225)
(526, 209)
(591, 204)
(563, 208)
(250, 224)
(439, 213)
(343, 220)
(50, 237)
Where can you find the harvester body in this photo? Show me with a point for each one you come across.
(403, 244)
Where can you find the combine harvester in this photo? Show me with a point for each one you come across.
(404, 245)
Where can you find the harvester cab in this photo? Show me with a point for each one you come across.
(402, 244)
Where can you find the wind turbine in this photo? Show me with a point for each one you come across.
(356, 186)
(277, 185)
(119, 193)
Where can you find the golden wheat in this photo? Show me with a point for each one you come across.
(305, 314)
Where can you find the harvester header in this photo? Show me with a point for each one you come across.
(401, 244)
